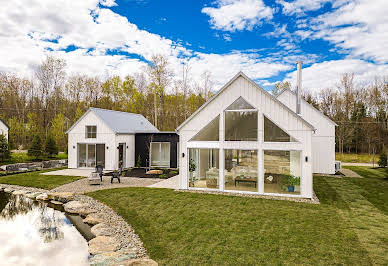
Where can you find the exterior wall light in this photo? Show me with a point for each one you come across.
(183, 154)
(107, 147)
(73, 147)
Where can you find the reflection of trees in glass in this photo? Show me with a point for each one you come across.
(17, 204)
(49, 223)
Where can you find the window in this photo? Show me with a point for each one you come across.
(91, 132)
(90, 155)
(273, 133)
(282, 172)
(210, 132)
(240, 121)
(241, 170)
(204, 168)
(160, 154)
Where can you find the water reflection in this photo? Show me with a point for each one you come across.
(31, 233)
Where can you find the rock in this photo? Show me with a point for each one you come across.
(102, 229)
(103, 244)
(86, 211)
(137, 262)
(110, 258)
(154, 172)
(42, 196)
(78, 207)
(19, 192)
(56, 202)
(63, 197)
(9, 190)
(33, 195)
(94, 218)
(1, 189)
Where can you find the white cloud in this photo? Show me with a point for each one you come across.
(301, 6)
(232, 15)
(328, 74)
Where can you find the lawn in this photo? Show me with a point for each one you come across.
(350, 226)
(22, 157)
(35, 179)
(356, 158)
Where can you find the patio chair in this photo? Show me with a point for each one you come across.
(116, 174)
(100, 170)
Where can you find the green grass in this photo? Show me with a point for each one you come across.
(35, 179)
(22, 157)
(349, 226)
(356, 158)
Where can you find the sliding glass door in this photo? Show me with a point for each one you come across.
(90, 155)
(160, 154)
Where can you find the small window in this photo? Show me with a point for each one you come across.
(273, 133)
(210, 132)
(91, 132)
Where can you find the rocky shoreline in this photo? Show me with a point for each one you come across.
(116, 243)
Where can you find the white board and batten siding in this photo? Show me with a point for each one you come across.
(104, 135)
(323, 140)
(266, 105)
(3, 129)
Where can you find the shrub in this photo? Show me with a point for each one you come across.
(35, 150)
(50, 148)
(383, 158)
(4, 149)
(138, 162)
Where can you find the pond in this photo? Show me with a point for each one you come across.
(38, 233)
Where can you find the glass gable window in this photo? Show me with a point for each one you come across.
(210, 132)
(160, 154)
(282, 172)
(241, 170)
(240, 122)
(204, 168)
(273, 133)
(91, 132)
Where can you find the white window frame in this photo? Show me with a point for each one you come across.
(87, 132)
(160, 150)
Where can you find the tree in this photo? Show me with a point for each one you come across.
(383, 158)
(35, 150)
(280, 86)
(58, 129)
(4, 150)
(50, 146)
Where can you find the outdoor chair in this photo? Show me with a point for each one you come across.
(100, 170)
(94, 179)
(116, 174)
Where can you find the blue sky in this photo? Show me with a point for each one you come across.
(262, 38)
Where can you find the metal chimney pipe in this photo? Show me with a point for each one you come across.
(299, 86)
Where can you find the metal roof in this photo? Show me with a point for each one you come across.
(122, 122)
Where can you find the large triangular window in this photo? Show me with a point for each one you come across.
(210, 132)
(273, 133)
(240, 104)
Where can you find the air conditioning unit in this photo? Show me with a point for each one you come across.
(337, 166)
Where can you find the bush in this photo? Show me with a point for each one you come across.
(383, 158)
(35, 150)
(138, 163)
(4, 150)
(51, 148)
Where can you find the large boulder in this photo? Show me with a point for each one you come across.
(42, 196)
(78, 207)
(103, 244)
(94, 218)
(102, 229)
(19, 192)
(33, 195)
(9, 190)
(63, 197)
(113, 258)
(137, 262)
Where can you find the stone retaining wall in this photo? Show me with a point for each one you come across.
(35, 165)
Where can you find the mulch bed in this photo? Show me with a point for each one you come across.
(141, 172)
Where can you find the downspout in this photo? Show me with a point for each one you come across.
(299, 87)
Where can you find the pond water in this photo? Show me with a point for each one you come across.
(35, 233)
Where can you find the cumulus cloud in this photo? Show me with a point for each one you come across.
(301, 6)
(237, 15)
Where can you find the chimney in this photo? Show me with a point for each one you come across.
(299, 86)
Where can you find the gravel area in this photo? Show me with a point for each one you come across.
(82, 186)
(124, 234)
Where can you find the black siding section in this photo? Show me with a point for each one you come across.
(142, 143)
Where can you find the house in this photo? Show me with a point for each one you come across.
(113, 139)
(245, 140)
(4, 128)
(323, 140)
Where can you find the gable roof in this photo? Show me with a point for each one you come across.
(241, 74)
(121, 122)
(312, 106)
(2, 121)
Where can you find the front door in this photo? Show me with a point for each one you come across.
(121, 155)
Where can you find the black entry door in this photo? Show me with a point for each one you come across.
(121, 155)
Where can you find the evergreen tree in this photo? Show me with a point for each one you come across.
(4, 151)
(35, 150)
(51, 147)
(383, 158)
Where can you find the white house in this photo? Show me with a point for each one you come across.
(105, 137)
(323, 141)
(245, 140)
(4, 128)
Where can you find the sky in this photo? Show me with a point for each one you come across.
(262, 38)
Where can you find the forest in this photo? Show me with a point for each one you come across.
(49, 102)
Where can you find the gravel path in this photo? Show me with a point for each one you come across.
(172, 182)
(82, 186)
